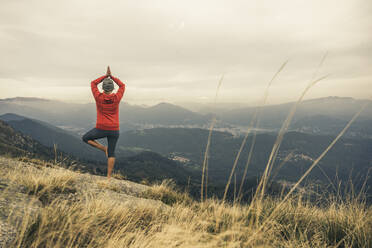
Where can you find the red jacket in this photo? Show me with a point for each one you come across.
(107, 105)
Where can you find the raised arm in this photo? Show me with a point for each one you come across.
(94, 87)
(121, 89)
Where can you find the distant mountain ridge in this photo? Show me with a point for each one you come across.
(164, 113)
(49, 135)
(25, 99)
(81, 117)
(273, 116)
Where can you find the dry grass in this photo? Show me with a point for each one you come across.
(102, 221)
(35, 162)
(105, 184)
(44, 183)
(167, 193)
(118, 176)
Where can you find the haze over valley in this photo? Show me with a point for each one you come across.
(179, 135)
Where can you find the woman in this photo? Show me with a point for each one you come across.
(107, 124)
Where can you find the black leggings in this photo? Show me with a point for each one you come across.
(112, 138)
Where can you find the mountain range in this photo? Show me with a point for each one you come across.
(314, 126)
(79, 118)
(312, 116)
(158, 145)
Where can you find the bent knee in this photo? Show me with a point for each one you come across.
(85, 138)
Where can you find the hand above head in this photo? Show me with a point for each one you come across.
(108, 73)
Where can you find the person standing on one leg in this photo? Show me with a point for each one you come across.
(107, 125)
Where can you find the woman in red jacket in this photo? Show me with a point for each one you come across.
(107, 124)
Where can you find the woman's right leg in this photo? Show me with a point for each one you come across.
(111, 140)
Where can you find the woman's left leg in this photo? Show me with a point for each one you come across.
(92, 135)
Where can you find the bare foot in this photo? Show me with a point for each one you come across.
(106, 152)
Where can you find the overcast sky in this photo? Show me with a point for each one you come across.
(176, 51)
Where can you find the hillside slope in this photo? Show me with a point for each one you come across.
(144, 166)
(14, 143)
(49, 135)
(22, 185)
(42, 205)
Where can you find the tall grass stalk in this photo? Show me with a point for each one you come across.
(258, 119)
(325, 151)
(286, 197)
(55, 153)
(251, 125)
(286, 124)
(206, 153)
(263, 182)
